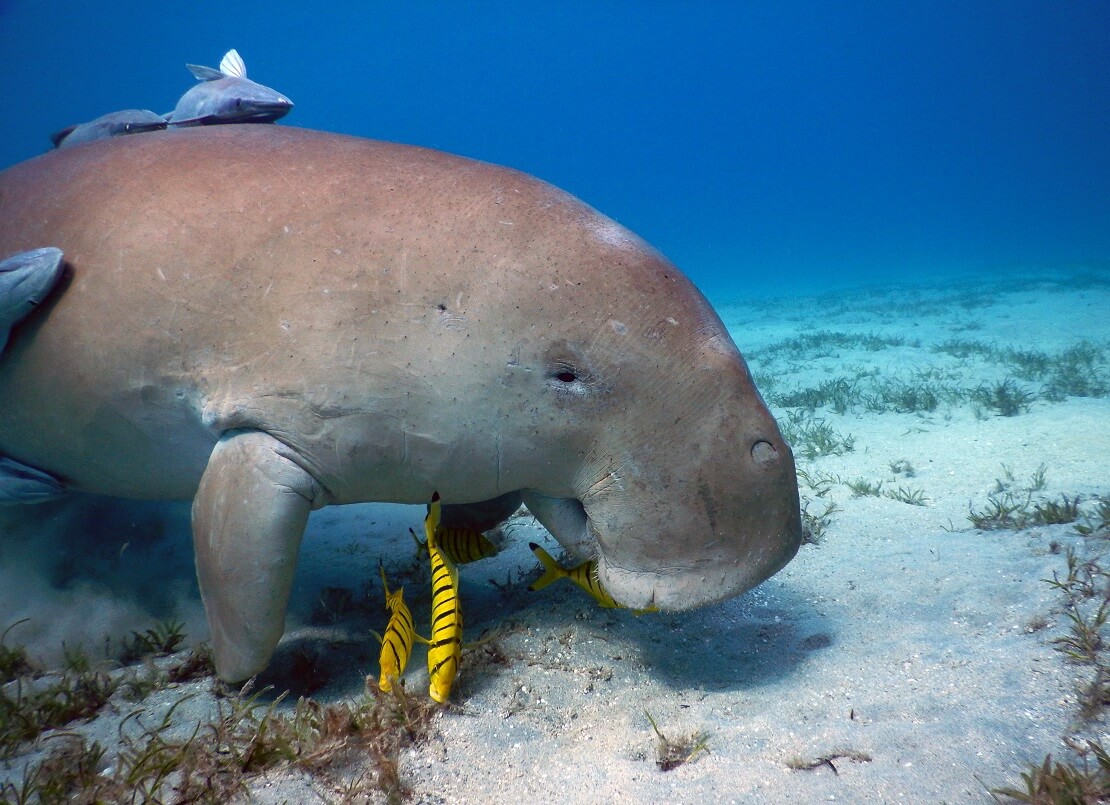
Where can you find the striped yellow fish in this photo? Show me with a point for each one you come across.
(399, 637)
(460, 546)
(445, 641)
(584, 575)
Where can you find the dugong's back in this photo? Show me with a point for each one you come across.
(216, 265)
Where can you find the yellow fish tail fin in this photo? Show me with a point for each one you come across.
(385, 584)
(421, 547)
(553, 571)
(393, 600)
(431, 520)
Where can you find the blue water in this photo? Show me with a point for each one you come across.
(785, 145)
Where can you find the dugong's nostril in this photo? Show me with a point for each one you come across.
(764, 453)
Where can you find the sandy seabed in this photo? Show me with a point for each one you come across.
(914, 652)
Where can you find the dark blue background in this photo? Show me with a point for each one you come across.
(755, 143)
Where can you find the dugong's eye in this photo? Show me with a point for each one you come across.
(570, 375)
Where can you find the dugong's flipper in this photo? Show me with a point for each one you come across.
(249, 515)
(25, 280)
(22, 484)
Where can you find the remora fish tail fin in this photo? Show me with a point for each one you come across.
(553, 571)
(232, 64)
(204, 73)
(61, 134)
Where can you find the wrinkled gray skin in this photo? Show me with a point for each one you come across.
(267, 320)
(113, 124)
(220, 99)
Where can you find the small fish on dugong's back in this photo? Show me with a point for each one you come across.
(226, 95)
(266, 320)
(113, 124)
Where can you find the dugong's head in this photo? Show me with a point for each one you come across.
(656, 454)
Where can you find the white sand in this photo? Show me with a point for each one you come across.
(904, 636)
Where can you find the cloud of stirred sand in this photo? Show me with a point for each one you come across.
(87, 571)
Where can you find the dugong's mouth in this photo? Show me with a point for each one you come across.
(570, 523)
(668, 574)
(567, 521)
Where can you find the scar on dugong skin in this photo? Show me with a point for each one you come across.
(255, 322)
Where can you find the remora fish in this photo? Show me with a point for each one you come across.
(445, 641)
(398, 640)
(461, 546)
(26, 279)
(584, 575)
(226, 95)
(113, 124)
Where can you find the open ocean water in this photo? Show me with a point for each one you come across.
(788, 146)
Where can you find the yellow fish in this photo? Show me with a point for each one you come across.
(445, 641)
(584, 575)
(399, 637)
(460, 546)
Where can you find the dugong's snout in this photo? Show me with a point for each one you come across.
(729, 530)
(702, 533)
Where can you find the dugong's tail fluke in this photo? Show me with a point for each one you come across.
(25, 280)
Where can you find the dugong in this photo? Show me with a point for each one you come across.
(267, 320)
